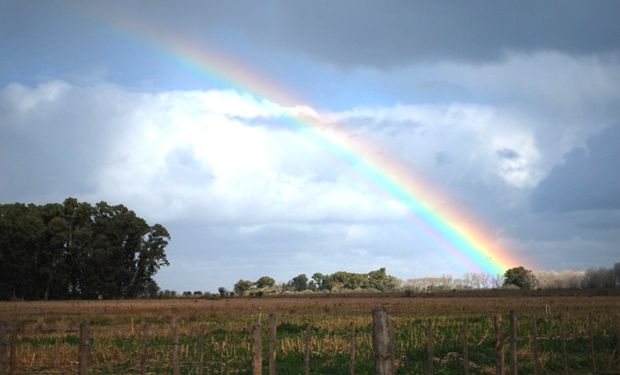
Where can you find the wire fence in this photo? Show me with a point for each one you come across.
(377, 344)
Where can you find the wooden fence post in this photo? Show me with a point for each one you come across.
(499, 346)
(201, 351)
(466, 346)
(563, 339)
(534, 345)
(382, 341)
(273, 331)
(13, 351)
(84, 350)
(430, 346)
(307, 350)
(353, 349)
(175, 348)
(618, 341)
(591, 331)
(513, 342)
(257, 349)
(3, 349)
(145, 348)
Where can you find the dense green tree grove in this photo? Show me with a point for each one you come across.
(378, 280)
(76, 250)
(265, 282)
(338, 281)
(521, 278)
(299, 283)
(242, 286)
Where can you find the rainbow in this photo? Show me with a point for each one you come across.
(453, 230)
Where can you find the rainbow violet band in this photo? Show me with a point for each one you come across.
(455, 233)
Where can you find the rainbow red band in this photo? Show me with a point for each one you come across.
(454, 233)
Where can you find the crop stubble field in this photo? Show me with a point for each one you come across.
(48, 340)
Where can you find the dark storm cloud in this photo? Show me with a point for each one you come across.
(588, 180)
(345, 33)
(385, 33)
(379, 33)
(53, 138)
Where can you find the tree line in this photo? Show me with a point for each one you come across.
(592, 278)
(77, 250)
(602, 277)
(377, 280)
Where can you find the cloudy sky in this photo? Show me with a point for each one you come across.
(511, 111)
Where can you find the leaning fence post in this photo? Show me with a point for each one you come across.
(3, 348)
(466, 346)
(430, 346)
(145, 348)
(273, 331)
(307, 351)
(563, 338)
(84, 348)
(499, 346)
(257, 349)
(591, 331)
(201, 351)
(513, 342)
(382, 341)
(353, 349)
(175, 348)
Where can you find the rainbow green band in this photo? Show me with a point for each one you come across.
(455, 233)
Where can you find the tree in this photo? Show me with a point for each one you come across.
(241, 286)
(599, 278)
(265, 282)
(300, 282)
(380, 280)
(520, 277)
(319, 280)
(22, 252)
(150, 290)
(222, 291)
(569, 279)
(76, 250)
(312, 286)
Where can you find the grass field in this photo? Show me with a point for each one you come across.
(48, 342)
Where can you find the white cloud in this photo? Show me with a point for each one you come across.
(22, 99)
(469, 136)
(228, 103)
(192, 155)
(560, 99)
(219, 159)
(226, 157)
